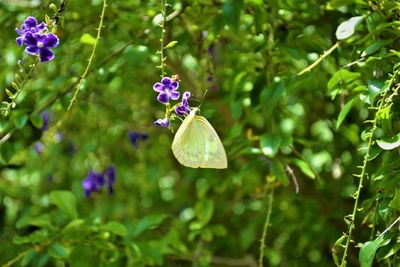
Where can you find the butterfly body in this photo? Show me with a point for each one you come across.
(197, 145)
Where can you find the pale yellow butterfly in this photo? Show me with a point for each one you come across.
(197, 145)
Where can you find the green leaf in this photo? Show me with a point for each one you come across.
(65, 201)
(151, 221)
(38, 236)
(389, 143)
(334, 4)
(375, 46)
(347, 28)
(73, 224)
(395, 203)
(20, 119)
(304, 167)
(115, 228)
(343, 113)
(204, 210)
(278, 170)
(269, 144)
(171, 44)
(36, 120)
(342, 76)
(87, 39)
(58, 251)
(368, 250)
(43, 220)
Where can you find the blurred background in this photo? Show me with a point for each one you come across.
(278, 129)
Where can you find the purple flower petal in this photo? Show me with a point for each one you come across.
(19, 40)
(174, 95)
(45, 54)
(30, 39)
(174, 85)
(181, 110)
(32, 50)
(41, 26)
(162, 122)
(166, 81)
(20, 32)
(30, 22)
(185, 98)
(51, 40)
(159, 87)
(163, 98)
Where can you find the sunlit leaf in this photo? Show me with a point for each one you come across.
(347, 28)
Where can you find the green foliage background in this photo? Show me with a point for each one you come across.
(279, 129)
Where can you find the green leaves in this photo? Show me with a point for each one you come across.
(66, 202)
(345, 110)
(87, 39)
(347, 28)
(368, 250)
(116, 228)
(389, 143)
(58, 251)
(269, 144)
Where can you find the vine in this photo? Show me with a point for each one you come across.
(350, 219)
(265, 229)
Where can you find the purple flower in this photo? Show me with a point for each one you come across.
(39, 147)
(46, 119)
(162, 122)
(110, 173)
(167, 89)
(37, 39)
(93, 182)
(40, 44)
(29, 25)
(134, 137)
(183, 107)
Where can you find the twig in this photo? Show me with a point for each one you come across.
(322, 57)
(265, 229)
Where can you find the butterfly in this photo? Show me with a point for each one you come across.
(197, 145)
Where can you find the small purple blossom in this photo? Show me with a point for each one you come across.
(39, 147)
(167, 89)
(46, 120)
(37, 38)
(110, 173)
(162, 122)
(30, 25)
(134, 137)
(183, 107)
(40, 44)
(93, 182)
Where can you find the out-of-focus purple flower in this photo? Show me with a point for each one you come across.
(37, 38)
(30, 25)
(162, 122)
(93, 182)
(110, 173)
(39, 147)
(59, 136)
(134, 137)
(167, 89)
(46, 120)
(183, 107)
(40, 44)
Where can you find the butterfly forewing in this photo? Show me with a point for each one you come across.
(196, 144)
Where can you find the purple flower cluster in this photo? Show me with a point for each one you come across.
(94, 181)
(167, 90)
(46, 120)
(135, 137)
(37, 38)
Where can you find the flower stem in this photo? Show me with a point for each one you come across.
(322, 57)
(265, 229)
(90, 60)
(162, 39)
(362, 175)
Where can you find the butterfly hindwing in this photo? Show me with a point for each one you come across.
(196, 144)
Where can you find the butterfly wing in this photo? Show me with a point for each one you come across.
(197, 145)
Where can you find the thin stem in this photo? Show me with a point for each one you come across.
(162, 39)
(90, 60)
(17, 258)
(363, 173)
(265, 229)
(322, 57)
